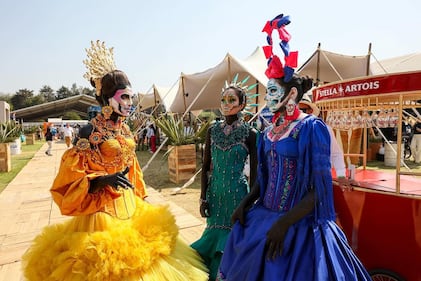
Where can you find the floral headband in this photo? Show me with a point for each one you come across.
(275, 68)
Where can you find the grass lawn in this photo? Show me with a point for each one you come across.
(18, 162)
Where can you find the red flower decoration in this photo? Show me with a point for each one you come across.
(275, 68)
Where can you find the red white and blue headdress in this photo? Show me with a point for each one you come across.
(275, 68)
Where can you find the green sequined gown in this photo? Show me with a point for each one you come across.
(227, 187)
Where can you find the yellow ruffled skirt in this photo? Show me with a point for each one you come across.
(100, 247)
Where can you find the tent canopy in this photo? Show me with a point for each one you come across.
(202, 90)
(324, 66)
(409, 62)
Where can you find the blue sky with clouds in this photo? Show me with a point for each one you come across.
(43, 42)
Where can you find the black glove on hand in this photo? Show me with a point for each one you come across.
(115, 180)
(275, 239)
(204, 209)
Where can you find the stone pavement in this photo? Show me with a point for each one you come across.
(26, 207)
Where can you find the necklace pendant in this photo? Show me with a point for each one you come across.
(227, 130)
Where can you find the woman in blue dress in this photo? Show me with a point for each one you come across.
(224, 184)
(285, 227)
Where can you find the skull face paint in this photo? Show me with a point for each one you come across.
(122, 102)
(275, 94)
(230, 103)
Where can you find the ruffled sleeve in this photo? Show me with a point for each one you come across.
(315, 168)
(71, 185)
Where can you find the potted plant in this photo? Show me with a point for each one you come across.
(30, 134)
(181, 145)
(8, 133)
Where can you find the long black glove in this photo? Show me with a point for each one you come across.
(247, 202)
(276, 235)
(204, 209)
(115, 180)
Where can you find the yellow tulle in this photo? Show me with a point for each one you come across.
(101, 247)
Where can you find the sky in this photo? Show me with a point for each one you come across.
(43, 42)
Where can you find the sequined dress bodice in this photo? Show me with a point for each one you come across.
(228, 184)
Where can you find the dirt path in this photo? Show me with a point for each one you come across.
(187, 199)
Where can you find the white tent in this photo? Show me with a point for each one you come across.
(148, 100)
(158, 95)
(202, 90)
(324, 66)
(409, 62)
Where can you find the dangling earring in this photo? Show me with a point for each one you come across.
(292, 110)
(107, 111)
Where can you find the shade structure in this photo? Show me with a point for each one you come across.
(202, 90)
(325, 66)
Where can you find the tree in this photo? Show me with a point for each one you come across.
(75, 90)
(47, 93)
(63, 93)
(38, 99)
(71, 115)
(7, 98)
(88, 91)
(22, 98)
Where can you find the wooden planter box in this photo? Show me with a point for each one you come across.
(182, 162)
(30, 139)
(5, 158)
(373, 149)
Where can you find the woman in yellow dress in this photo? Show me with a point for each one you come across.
(113, 233)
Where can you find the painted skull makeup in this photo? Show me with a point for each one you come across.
(230, 103)
(122, 102)
(275, 95)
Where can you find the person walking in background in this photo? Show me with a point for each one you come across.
(416, 143)
(39, 133)
(151, 136)
(49, 139)
(113, 234)
(223, 183)
(68, 134)
(54, 131)
(285, 227)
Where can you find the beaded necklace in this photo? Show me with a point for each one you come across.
(108, 130)
(238, 133)
(285, 124)
(228, 128)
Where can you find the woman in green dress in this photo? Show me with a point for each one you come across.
(223, 182)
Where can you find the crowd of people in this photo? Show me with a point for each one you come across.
(275, 222)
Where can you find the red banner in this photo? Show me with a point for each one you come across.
(374, 85)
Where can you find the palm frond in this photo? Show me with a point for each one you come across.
(173, 128)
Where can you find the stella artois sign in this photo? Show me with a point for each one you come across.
(374, 85)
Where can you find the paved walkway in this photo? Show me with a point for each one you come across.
(26, 207)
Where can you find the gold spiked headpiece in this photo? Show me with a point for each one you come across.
(100, 62)
(249, 98)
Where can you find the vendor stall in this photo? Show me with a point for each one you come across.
(381, 212)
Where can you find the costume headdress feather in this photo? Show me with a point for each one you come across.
(100, 62)
(275, 68)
